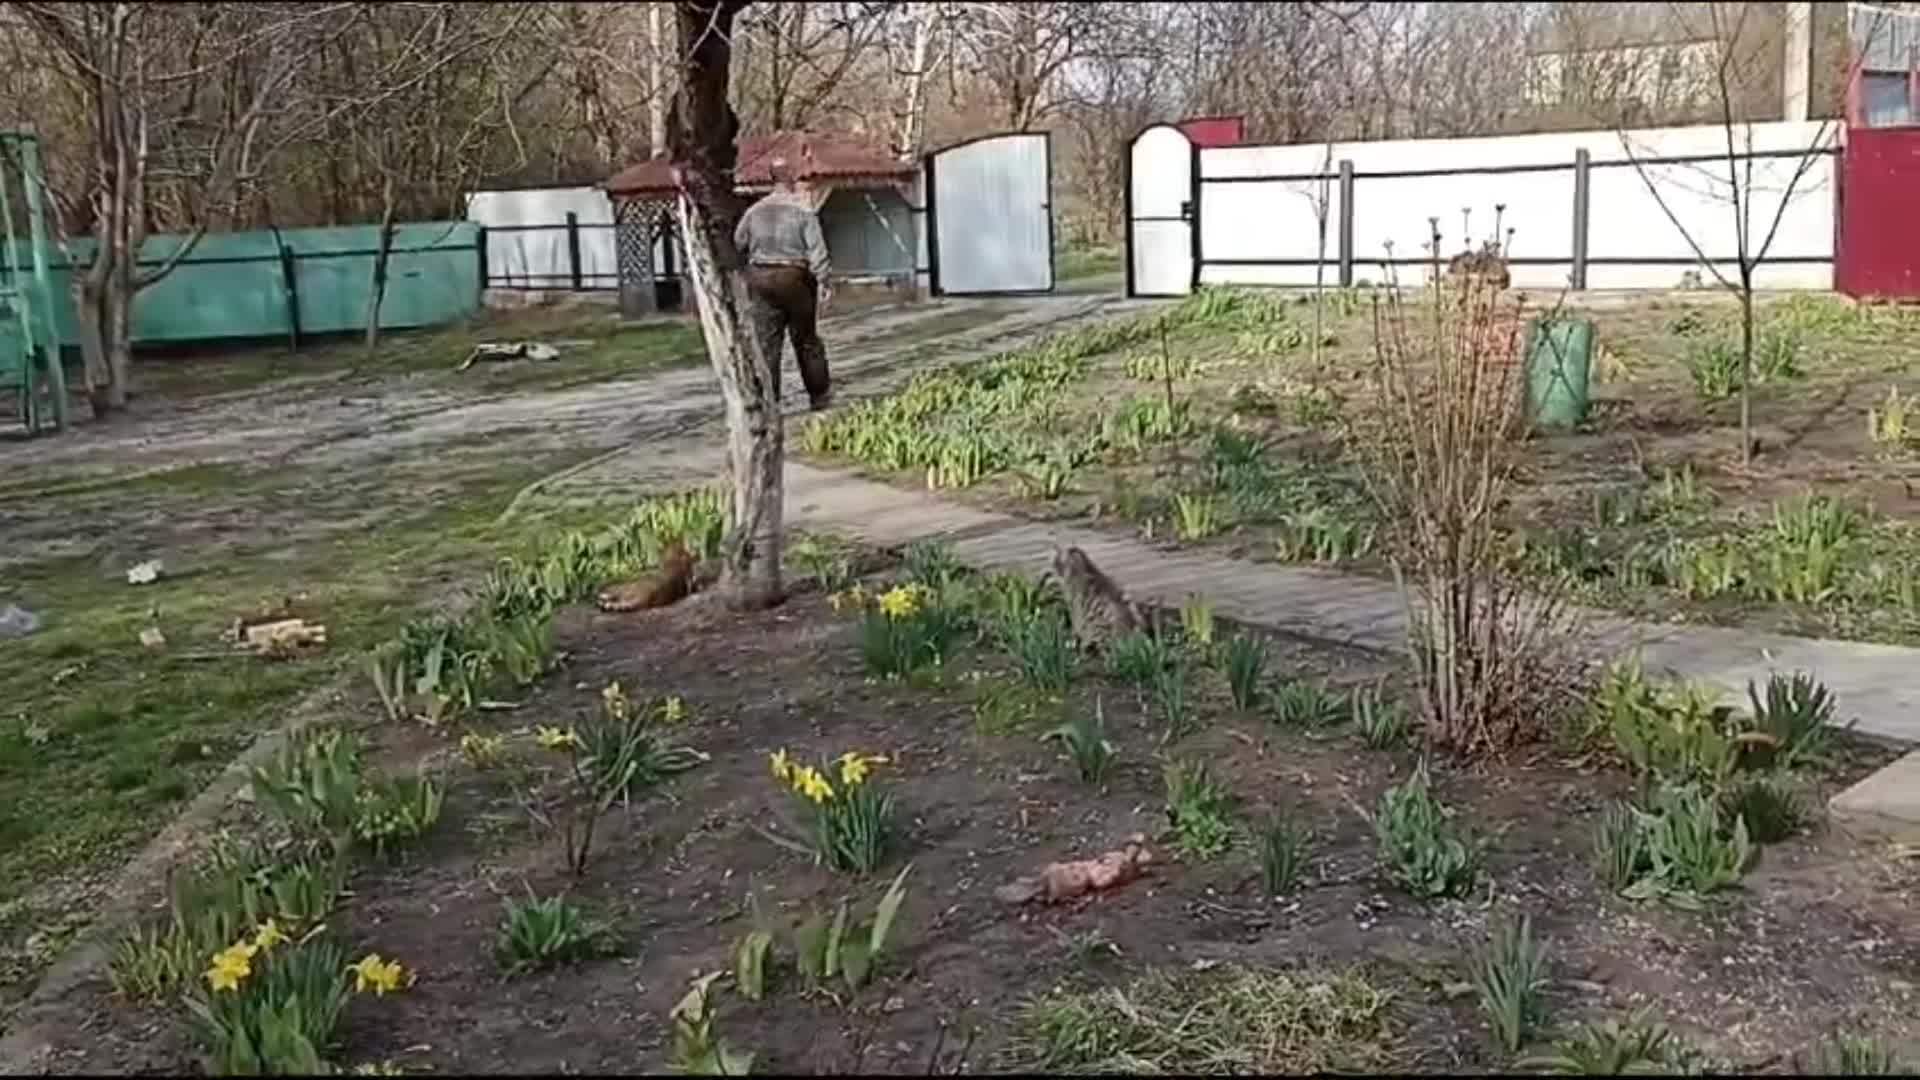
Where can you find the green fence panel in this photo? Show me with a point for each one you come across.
(433, 275)
(235, 285)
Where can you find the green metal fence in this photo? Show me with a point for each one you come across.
(291, 283)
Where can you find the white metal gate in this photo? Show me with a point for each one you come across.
(990, 215)
(1161, 213)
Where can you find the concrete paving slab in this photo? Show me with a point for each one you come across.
(1886, 804)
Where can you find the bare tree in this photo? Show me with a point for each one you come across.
(1020, 49)
(142, 76)
(701, 131)
(1740, 179)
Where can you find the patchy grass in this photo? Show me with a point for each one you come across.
(102, 740)
(1234, 1021)
(1072, 264)
(595, 343)
(1227, 424)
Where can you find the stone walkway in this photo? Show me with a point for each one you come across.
(1869, 681)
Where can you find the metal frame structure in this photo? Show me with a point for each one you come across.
(1343, 259)
(28, 294)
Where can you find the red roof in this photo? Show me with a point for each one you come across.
(1208, 131)
(815, 157)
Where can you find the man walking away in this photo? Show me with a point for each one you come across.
(787, 275)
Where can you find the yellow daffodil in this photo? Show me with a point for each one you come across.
(808, 782)
(380, 976)
(854, 766)
(854, 596)
(900, 602)
(553, 738)
(782, 767)
(268, 934)
(673, 710)
(481, 749)
(614, 698)
(230, 965)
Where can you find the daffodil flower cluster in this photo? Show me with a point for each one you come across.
(380, 976)
(811, 783)
(233, 964)
(554, 738)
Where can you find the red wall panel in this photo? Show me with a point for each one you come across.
(1878, 254)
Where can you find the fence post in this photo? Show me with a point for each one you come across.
(1346, 224)
(573, 248)
(1582, 206)
(290, 282)
(480, 254)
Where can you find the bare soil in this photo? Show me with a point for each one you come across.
(1822, 937)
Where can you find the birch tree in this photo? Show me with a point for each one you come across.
(701, 130)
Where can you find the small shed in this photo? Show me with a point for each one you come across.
(866, 198)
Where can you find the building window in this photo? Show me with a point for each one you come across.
(1886, 99)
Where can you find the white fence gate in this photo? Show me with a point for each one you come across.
(990, 216)
(1595, 209)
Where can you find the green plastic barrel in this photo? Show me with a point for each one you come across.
(1559, 356)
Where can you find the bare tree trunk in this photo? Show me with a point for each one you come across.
(701, 140)
(656, 84)
(377, 289)
(908, 145)
(1746, 364)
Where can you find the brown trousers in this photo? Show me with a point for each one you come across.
(784, 299)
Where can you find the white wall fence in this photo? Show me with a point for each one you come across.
(1585, 208)
(560, 239)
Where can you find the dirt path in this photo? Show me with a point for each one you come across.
(300, 421)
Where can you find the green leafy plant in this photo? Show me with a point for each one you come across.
(313, 785)
(1672, 733)
(827, 565)
(1639, 1047)
(1510, 975)
(1197, 623)
(1245, 661)
(1196, 516)
(852, 819)
(826, 949)
(1305, 705)
(539, 934)
(151, 962)
(1419, 842)
(1284, 847)
(1042, 648)
(522, 645)
(1792, 725)
(390, 813)
(697, 1049)
(1171, 702)
(1139, 657)
(1381, 723)
(1322, 535)
(1891, 426)
(1854, 1055)
(1690, 849)
(1198, 808)
(626, 750)
(1769, 807)
(750, 964)
(1085, 737)
(1619, 847)
(622, 751)
(909, 628)
(280, 1015)
(931, 563)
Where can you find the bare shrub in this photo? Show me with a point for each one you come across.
(1439, 445)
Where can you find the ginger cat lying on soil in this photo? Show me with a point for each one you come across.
(667, 584)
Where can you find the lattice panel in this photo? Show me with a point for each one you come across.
(640, 223)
